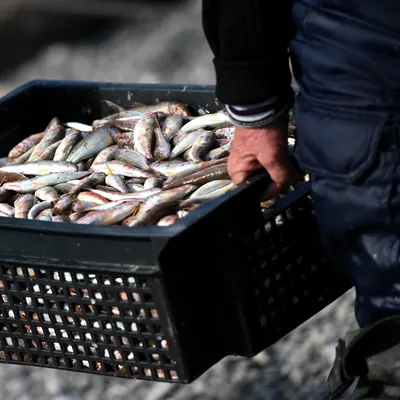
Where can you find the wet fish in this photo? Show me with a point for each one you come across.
(76, 215)
(79, 205)
(59, 218)
(64, 187)
(38, 208)
(222, 142)
(72, 137)
(110, 216)
(11, 177)
(25, 145)
(209, 187)
(5, 215)
(126, 196)
(126, 124)
(88, 182)
(31, 185)
(47, 193)
(45, 215)
(64, 203)
(218, 153)
(225, 133)
(136, 180)
(178, 137)
(105, 206)
(144, 135)
(171, 125)
(185, 144)
(7, 209)
(193, 169)
(89, 163)
(122, 114)
(150, 214)
(79, 127)
(206, 121)
(48, 152)
(172, 167)
(106, 188)
(202, 145)
(23, 158)
(134, 187)
(168, 220)
(53, 133)
(133, 158)
(128, 221)
(92, 144)
(122, 139)
(153, 183)
(213, 194)
(105, 155)
(216, 172)
(42, 167)
(92, 198)
(117, 182)
(120, 168)
(22, 205)
(171, 194)
(167, 107)
(162, 148)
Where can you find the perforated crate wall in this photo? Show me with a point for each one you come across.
(88, 322)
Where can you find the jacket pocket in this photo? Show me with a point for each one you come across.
(336, 145)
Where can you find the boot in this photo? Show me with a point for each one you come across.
(371, 354)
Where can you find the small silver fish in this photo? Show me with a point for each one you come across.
(105, 155)
(59, 218)
(53, 133)
(92, 144)
(79, 127)
(150, 214)
(88, 182)
(144, 134)
(72, 137)
(219, 153)
(22, 205)
(171, 125)
(206, 121)
(168, 220)
(202, 145)
(45, 215)
(209, 187)
(134, 187)
(42, 167)
(92, 198)
(47, 193)
(117, 182)
(38, 208)
(185, 144)
(126, 196)
(120, 168)
(64, 203)
(31, 185)
(178, 137)
(172, 167)
(24, 146)
(153, 183)
(110, 216)
(162, 149)
(7, 209)
(133, 158)
(48, 152)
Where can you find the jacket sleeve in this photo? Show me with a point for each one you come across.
(249, 40)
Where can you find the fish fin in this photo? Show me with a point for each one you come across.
(114, 106)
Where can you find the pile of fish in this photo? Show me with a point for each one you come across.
(147, 165)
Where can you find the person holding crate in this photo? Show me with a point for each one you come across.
(345, 56)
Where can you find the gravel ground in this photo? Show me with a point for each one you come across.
(169, 48)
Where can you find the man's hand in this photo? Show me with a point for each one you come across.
(266, 147)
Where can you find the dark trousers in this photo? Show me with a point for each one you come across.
(347, 62)
(354, 162)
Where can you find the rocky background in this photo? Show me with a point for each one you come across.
(155, 42)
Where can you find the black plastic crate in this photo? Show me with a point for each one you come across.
(156, 303)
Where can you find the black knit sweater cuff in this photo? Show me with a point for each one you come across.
(249, 83)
